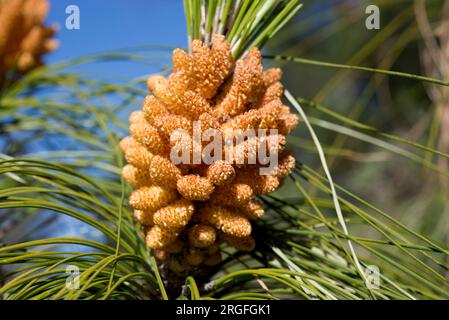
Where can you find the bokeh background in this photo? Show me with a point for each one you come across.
(406, 182)
(112, 25)
(325, 30)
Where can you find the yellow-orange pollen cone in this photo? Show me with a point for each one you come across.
(24, 38)
(189, 210)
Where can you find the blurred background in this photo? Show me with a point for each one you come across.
(405, 181)
(119, 24)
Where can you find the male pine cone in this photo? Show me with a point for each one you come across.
(189, 209)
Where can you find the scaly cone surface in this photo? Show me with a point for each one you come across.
(188, 210)
(24, 38)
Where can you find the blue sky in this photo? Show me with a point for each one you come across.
(110, 25)
(107, 26)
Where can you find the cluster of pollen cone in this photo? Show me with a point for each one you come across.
(23, 36)
(188, 210)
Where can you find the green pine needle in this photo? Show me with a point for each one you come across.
(245, 24)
